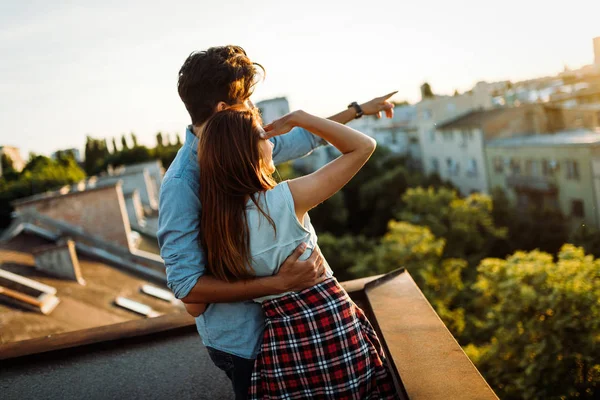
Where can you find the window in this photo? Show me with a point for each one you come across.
(515, 166)
(464, 138)
(435, 165)
(472, 167)
(577, 208)
(549, 167)
(572, 170)
(448, 135)
(498, 165)
(426, 114)
(453, 167)
(432, 135)
(532, 167)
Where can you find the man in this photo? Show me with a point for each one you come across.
(210, 81)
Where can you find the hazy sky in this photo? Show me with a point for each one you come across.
(71, 68)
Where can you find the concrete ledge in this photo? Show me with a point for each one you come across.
(429, 361)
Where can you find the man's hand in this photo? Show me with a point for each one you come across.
(379, 104)
(295, 275)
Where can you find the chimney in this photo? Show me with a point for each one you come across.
(60, 261)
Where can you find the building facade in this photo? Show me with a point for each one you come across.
(556, 171)
(434, 111)
(271, 109)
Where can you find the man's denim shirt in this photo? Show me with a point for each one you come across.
(229, 327)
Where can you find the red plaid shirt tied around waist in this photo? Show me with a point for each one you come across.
(319, 344)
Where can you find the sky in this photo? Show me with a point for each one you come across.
(103, 68)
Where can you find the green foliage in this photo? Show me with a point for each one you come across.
(331, 216)
(465, 223)
(374, 195)
(426, 91)
(415, 248)
(8, 171)
(543, 229)
(544, 320)
(342, 253)
(95, 152)
(588, 238)
(39, 175)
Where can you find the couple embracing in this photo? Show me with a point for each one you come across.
(240, 250)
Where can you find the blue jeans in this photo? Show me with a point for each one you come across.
(238, 369)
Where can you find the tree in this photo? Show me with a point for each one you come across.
(343, 252)
(124, 146)
(7, 170)
(543, 318)
(177, 140)
(159, 140)
(534, 228)
(94, 155)
(331, 216)
(426, 91)
(134, 140)
(588, 238)
(114, 146)
(465, 223)
(39, 175)
(416, 248)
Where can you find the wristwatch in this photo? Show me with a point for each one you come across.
(357, 108)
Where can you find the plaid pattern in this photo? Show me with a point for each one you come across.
(319, 344)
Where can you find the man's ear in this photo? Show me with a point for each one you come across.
(221, 106)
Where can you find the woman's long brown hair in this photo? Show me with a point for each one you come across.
(231, 172)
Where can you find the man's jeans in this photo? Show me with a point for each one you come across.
(238, 369)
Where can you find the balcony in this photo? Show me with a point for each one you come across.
(526, 183)
(163, 358)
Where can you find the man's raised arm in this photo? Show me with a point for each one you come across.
(299, 142)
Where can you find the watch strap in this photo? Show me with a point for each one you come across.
(357, 108)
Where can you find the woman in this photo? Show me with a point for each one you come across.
(317, 343)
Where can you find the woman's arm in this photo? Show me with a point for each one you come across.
(356, 148)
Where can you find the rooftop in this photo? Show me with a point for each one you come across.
(81, 306)
(581, 137)
(163, 357)
(475, 118)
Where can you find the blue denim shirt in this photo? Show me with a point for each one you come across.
(231, 327)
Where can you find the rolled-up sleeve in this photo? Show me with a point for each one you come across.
(178, 235)
(295, 144)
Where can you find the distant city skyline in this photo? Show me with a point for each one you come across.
(81, 68)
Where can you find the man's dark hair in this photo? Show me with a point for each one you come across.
(223, 73)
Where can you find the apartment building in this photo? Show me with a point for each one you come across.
(557, 171)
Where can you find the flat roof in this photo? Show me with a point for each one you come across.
(81, 307)
(581, 137)
(163, 356)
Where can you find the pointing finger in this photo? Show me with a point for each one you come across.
(387, 96)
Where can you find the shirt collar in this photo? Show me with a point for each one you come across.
(191, 140)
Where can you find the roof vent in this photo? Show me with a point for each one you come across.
(27, 293)
(136, 307)
(158, 293)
